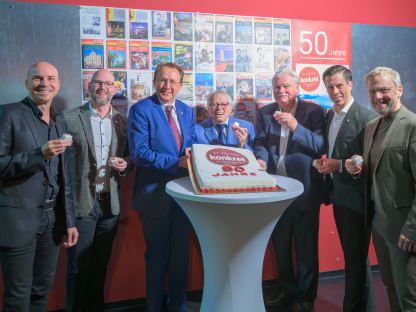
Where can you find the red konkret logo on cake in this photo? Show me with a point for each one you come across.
(222, 156)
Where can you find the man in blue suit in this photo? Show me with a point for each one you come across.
(160, 127)
(288, 137)
(221, 128)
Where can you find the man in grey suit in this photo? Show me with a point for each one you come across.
(96, 164)
(390, 169)
(345, 124)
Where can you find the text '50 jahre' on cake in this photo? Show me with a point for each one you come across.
(221, 169)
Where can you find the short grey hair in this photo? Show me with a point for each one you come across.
(289, 72)
(385, 71)
(222, 92)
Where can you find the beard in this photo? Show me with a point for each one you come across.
(101, 101)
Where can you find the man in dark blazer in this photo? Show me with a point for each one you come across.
(390, 169)
(96, 163)
(221, 128)
(36, 207)
(288, 137)
(160, 127)
(345, 124)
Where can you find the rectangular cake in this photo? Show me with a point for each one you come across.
(223, 169)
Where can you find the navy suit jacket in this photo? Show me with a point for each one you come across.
(153, 150)
(206, 133)
(304, 145)
(22, 178)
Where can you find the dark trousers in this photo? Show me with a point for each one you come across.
(88, 259)
(298, 225)
(28, 271)
(355, 239)
(167, 252)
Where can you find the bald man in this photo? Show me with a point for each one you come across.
(97, 161)
(36, 207)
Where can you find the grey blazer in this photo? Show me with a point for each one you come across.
(82, 160)
(394, 176)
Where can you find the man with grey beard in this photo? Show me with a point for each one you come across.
(97, 161)
(289, 134)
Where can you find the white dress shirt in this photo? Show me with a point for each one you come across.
(173, 114)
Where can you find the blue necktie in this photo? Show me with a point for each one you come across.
(221, 136)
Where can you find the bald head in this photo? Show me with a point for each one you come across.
(42, 82)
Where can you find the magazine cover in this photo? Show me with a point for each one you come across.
(264, 59)
(201, 112)
(86, 78)
(161, 53)
(139, 55)
(161, 25)
(264, 87)
(262, 30)
(184, 56)
(243, 29)
(225, 81)
(204, 57)
(204, 85)
(92, 53)
(116, 54)
(282, 58)
(224, 29)
(187, 91)
(224, 58)
(245, 110)
(244, 87)
(139, 24)
(92, 22)
(116, 20)
(244, 58)
(182, 26)
(204, 28)
(281, 32)
(140, 84)
(119, 101)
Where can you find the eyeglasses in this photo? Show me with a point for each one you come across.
(220, 105)
(381, 90)
(108, 84)
(170, 82)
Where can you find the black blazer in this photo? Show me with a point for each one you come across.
(22, 178)
(343, 188)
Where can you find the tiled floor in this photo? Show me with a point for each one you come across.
(330, 296)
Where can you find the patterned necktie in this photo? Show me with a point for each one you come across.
(221, 136)
(173, 126)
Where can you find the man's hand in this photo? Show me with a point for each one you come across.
(182, 162)
(118, 164)
(406, 244)
(351, 167)
(71, 237)
(241, 134)
(287, 119)
(262, 164)
(54, 147)
(327, 165)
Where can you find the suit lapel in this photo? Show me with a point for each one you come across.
(210, 132)
(231, 138)
(115, 132)
(369, 137)
(180, 114)
(163, 121)
(85, 117)
(343, 128)
(31, 122)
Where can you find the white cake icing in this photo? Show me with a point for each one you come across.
(226, 169)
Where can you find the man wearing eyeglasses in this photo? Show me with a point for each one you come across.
(389, 167)
(97, 160)
(289, 135)
(160, 127)
(36, 207)
(221, 128)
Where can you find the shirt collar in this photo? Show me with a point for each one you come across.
(344, 111)
(165, 104)
(216, 124)
(37, 112)
(94, 113)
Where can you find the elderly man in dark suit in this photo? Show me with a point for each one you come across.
(96, 161)
(345, 124)
(389, 163)
(36, 207)
(288, 137)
